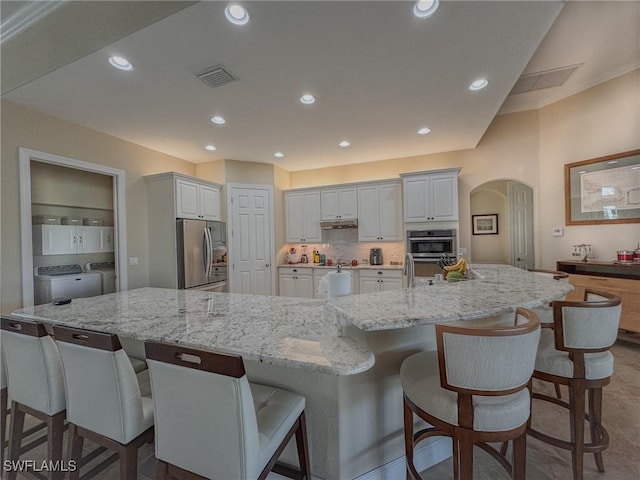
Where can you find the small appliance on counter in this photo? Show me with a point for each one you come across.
(625, 256)
(292, 256)
(375, 256)
(303, 257)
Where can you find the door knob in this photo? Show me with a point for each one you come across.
(518, 259)
(267, 265)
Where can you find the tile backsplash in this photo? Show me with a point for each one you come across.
(343, 244)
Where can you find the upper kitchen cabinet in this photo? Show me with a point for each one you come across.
(191, 197)
(302, 213)
(197, 200)
(339, 203)
(380, 212)
(431, 196)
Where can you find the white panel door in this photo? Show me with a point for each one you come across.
(521, 218)
(251, 241)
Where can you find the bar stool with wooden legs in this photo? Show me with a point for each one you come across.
(104, 399)
(212, 423)
(576, 354)
(474, 390)
(36, 387)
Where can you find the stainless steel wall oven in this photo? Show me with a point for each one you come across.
(428, 246)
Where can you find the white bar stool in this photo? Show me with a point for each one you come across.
(212, 423)
(36, 387)
(104, 400)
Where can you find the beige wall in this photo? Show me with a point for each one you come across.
(532, 147)
(23, 127)
(600, 121)
(490, 248)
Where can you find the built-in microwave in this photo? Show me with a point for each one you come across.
(428, 246)
(431, 244)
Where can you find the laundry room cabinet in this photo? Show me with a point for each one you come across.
(72, 239)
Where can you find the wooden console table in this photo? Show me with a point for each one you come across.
(618, 278)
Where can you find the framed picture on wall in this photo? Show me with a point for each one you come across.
(485, 224)
(603, 190)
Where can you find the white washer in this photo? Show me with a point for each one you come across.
(64, 281)
(108, 272)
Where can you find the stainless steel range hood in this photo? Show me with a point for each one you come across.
(339, 224)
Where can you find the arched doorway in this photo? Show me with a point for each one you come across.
(512, 242)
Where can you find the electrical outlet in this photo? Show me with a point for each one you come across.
(133, 260)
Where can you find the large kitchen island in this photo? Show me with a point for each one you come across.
(344, 355)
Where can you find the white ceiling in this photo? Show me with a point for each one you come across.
(378, 72)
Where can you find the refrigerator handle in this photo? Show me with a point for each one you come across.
(209, 252)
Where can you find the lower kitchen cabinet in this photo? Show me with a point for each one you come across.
(296, 282)
(373, 281)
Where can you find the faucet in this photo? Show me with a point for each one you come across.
(410, 270)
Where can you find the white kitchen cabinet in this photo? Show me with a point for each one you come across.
(302, 214)
(431, 196)
(72, 239)
(373, 281)
(296, 282)
(379, 212)
(339, 203)
(196, 200)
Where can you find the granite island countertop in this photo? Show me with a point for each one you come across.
(494, 290)
(281, 331)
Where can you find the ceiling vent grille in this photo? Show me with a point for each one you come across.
(216, 76)
(541, 80)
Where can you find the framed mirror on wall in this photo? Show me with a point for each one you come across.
(603, 190)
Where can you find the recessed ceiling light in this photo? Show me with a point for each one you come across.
(236, 14)
(218, 120)
(278, 154)
(425, 8)
(635, 168)
(582, 172)
(479, 84)
(121, 63)
(612, 162)
(211, 148)
(344, 143)
(307, 99)
(424, 131)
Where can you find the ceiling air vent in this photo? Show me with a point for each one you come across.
(541, 80)
(216, 76)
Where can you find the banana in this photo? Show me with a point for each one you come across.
(460, 266)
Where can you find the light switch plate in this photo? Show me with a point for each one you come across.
(133, 260)
(558, 232)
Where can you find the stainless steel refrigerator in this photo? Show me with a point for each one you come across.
(202, 249)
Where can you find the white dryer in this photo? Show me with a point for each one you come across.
(64, 281)
(107, 270)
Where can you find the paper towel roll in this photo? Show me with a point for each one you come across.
(339, 284)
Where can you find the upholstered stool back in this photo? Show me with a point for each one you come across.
(34, 370)
(212, 423)
(494, 360)
(216, 409)
(103, 394)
